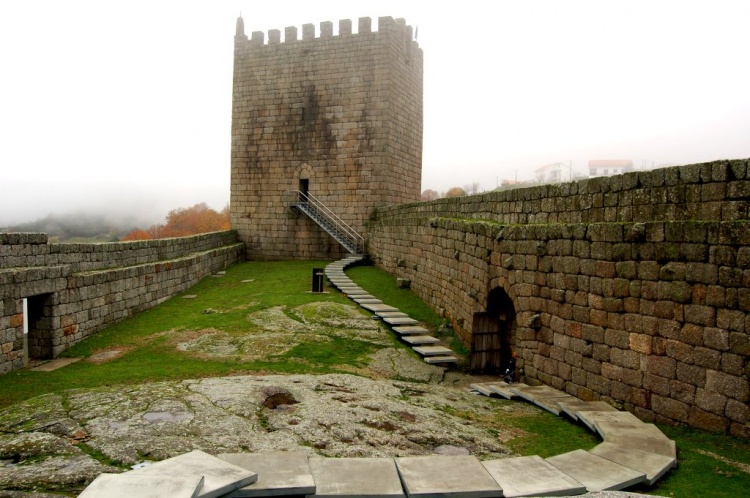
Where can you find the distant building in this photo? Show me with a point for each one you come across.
(553, 173)
(608, 167)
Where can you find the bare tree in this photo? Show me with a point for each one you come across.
(472, 188)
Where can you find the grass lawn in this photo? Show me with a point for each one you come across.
(224, 307)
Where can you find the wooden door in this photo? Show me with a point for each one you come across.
(489, 343)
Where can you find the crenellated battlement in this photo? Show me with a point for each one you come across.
(386, 25)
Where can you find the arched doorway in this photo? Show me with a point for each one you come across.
(492, 334)
(38, 341)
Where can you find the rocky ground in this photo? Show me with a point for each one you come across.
(396, 406)
(63, 441)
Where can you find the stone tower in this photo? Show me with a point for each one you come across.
(339, 117)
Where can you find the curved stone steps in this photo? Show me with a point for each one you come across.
(402, 324)
(633, 451)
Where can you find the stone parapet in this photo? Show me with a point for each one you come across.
(648, 312)
(75, 290)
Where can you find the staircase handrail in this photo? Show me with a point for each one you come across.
(310, 199)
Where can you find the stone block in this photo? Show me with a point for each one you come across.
(727, 385)
(279, 473)
(669, 408)
(129, 485)
(220, 477)
(653, 465)
(350, 477)
(596, 473)
(437, 476)
(531, 476)
(707, 421)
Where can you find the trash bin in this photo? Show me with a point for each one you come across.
(318, 277)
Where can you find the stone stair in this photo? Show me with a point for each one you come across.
(292, 473)
(633, 452)
(406, 327)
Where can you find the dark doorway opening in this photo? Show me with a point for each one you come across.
(492, 334)
(304, 188)
(39, 323)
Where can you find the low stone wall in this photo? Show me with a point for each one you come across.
(644, 305)
(74, 290)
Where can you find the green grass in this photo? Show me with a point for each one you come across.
(383, 285)
(700, 473)
(533, 431)
(152, 358)
(548, 435)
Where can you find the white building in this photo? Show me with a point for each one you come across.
(609, 167)
(553, 173)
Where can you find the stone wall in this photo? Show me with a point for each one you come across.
(74, 290)
(633, 289)
(342, 113)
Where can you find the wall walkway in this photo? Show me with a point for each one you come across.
(75, 290)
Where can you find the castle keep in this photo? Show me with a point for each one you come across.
(338, 117)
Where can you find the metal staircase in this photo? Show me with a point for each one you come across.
(345, 235)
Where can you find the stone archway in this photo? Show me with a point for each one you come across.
(493, 334)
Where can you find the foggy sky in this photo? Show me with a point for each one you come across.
(125, 106)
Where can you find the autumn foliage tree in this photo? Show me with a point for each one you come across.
(137, 234)
(430, 195)
(181, 222)
(455, 192)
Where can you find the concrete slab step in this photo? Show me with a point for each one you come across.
(532, 476)
(400, 321)
(551, 404)
(645, 442)
(500, 388)
(595, 472)
(367, 300)
(651, 464)
(408, 330)
(531, 393)
(591, 418)
(350, 477)
(349, 287)
(391, 314)
(128, 486)
(461, 476)
(375, 307)
(607, 429)
(279, 473)
(351, 290)
(358, 294)
(571, 407)
(436, 360)
(433, 350)
(341, 283)
(483, 388)
(220, 477)
(416, 340)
